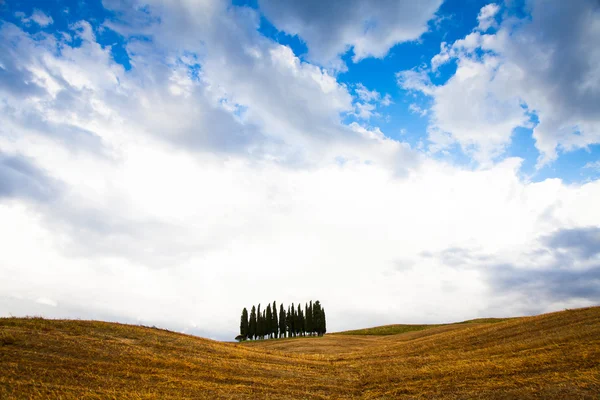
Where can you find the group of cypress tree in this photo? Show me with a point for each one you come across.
(291, 323)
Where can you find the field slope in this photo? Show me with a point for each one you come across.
(551, 356)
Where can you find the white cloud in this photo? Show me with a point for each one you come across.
(441, 58)
(369, 101)
(366, 94)
(386, 100)
(593, 165)
(38, 17)
(417, 110)
(486, 17)
(47, 301)
(546, 66)
(41, 19)
(370, 29)
(415, 80)
(365, 110)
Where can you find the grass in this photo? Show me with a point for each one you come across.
(389, 330)
(552, 356)
(404, 328)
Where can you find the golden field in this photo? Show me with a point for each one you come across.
(551, 356)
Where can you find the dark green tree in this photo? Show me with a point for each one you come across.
(259, 323)
(299, 320)
(244, 324)
(317, 317)
(309, 319)
(306, 331)
(275, 322)
(252, 324)
(282, 321)
(265, 325)
(323, 322)
(290, 321)
(268, 319)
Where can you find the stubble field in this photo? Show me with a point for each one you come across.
(552, 356)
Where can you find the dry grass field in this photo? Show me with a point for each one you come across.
(552, 356)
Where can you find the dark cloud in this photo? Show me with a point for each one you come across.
(20, 177)
(564, 31)
(581, 242)
(15, 82)
(550, 283)
(72, 137)
(558, 53)
(560, 270)
(562, 278)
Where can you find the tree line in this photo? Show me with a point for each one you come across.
(296, 321)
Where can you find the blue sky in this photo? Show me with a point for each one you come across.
(150, 148)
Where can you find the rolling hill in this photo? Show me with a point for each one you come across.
(551, 356)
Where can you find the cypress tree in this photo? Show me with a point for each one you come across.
(244, 324)
(282, 321)
(323, 322)
(299, 320)
(290, 321)
(306, 318)
(317, 317)
(275, 322)
(252, 324)
(265, 327)
(268, 319)
(293, 320)
(259, 323)
(309, 319)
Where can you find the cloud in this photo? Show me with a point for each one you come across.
(46, 301)
(544, 66)
(372, 96)
(548, 286)
(416, 80)
(296, 106)
(561, 269)
(386, 100)
(366, 94)
(41, 19)
(560, 57)
(477, 108)
(593, 165)
(368, 101)
(369, 29)
(486, 17)
(38, 17)
(20, 177)
(417, 110)
(581, 242)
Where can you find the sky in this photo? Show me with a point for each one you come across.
(168, 163)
